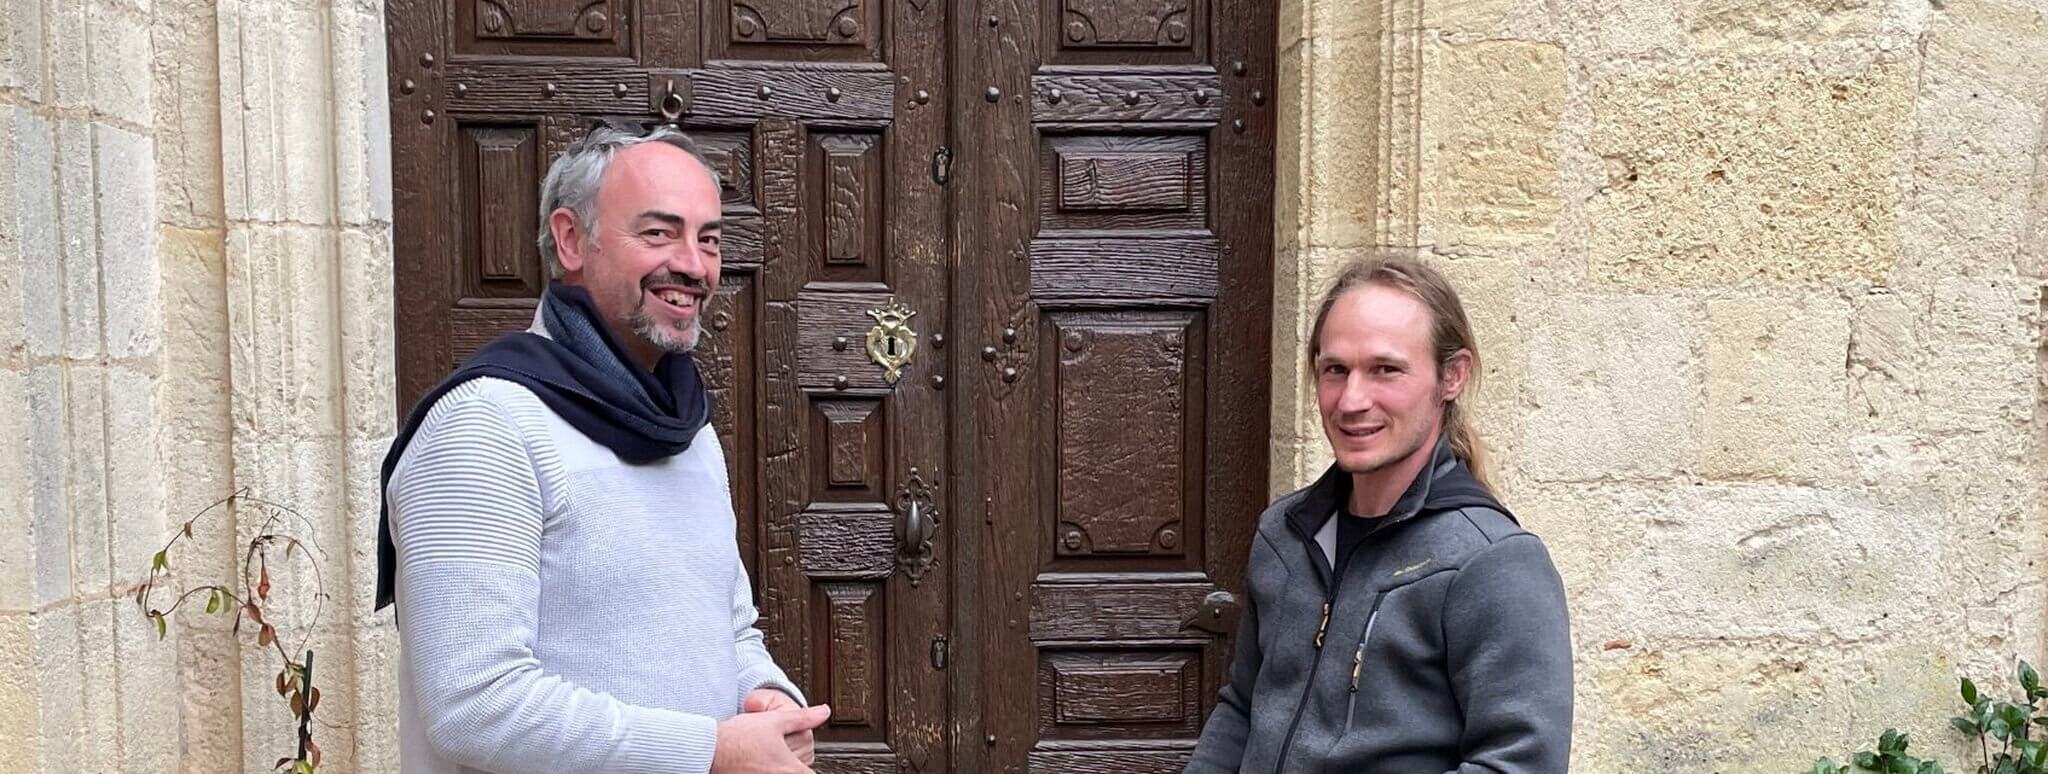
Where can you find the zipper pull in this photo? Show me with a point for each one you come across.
(1357, 666)
(1323, 627)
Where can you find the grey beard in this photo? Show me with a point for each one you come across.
(667, 338)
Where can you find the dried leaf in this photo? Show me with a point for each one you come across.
(298, 704)
(188, 529)
(281, 763)
(263, 585)
(313, 750)
(283, 686)
(255, 613)
(266, 635)
(314, 703)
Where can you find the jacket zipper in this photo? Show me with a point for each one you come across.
(1358, 661)
(1287, 746)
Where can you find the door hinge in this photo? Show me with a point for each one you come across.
(940, 651)
(942, 165)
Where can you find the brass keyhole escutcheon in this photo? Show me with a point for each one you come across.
(891, 343)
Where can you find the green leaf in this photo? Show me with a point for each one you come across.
(1825, 766)
(303, 768)
(1867, 760)
(2029, 679)
(1969, 692)
(159, 618)
(1999, 730)
(160, 562)
(1964, 725)
(213, 602)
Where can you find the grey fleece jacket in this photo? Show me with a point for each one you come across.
(1444, 648)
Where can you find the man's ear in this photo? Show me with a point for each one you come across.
(1456, 373)
(570, 239)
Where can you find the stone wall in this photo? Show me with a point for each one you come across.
(1759, 290)
(1759, 284)
(194, 299)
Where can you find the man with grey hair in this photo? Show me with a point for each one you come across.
(558, 531)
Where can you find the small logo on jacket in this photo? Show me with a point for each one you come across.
(1413, 567)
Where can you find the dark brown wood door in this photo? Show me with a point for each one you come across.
(1079, 429)
(1117, 250)
(822, 118)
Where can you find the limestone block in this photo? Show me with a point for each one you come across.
(18, 676)
(1611, 386)
(1760, 706)
(1718, 560)
(99, 663)
(1602, 29)
(11, 333)
(35, 230)
(368, 355)
(17, 550)
(1341, 152)
(362, 127)
(148, 691)
(210, 706)
(1588, 529)
(376, 689)
(1783, 26)
(1886, 359)
(60, 692)
(129, 271)
(282, 308)
(119, 48)
(135, 496)
(303, 146)
(1292, 174)
(1972, 174)
(50, 501)
(1776, 389)
(1730, 173)
(67, 36)
(86, 477)
(21, 57)
(78, 236)
(1475, 17)
(187, 89)
(1981, 367)
(1488, 289)
(2000, 43)
(1492, 172)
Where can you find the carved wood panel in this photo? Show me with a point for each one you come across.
(501, 182)
(583, 28)
(796, 30)
(1125, 32)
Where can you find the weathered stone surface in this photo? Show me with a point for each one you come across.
(86, 452)
(1611, 387)
(67, 37)
(21, 53)
(1488, 289)
(1736, 173)
(1717, 561)
(120, 46)
(1342, 202)
(35, 229)
(129, 272)
(78, 237)
(1494, 162)
(49, 496)
(2000, 43)
(1753, 26)
(1973, 167)
(135, 497)
(18, 678)
(17, 550)
(1776, 389)
(60, 692)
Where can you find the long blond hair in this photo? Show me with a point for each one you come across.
(1449, 332)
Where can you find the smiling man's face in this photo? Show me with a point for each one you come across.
(649, 258)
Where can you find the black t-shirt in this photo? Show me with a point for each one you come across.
(1353, 530)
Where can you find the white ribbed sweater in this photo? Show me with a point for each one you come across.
(559, 610)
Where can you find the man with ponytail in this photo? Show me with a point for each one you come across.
(1400, 621)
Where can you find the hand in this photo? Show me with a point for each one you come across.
(753, 743)
(770, 700)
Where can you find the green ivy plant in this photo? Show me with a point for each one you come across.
(2004, 732)
(245, 601)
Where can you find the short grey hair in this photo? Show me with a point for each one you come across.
(573, 179)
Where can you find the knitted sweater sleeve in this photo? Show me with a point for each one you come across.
(466, 512)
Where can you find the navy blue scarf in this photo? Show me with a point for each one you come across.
(587, 379)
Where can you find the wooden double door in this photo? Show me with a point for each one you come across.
(1023, 549)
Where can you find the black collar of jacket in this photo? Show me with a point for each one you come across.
(1444, 485)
